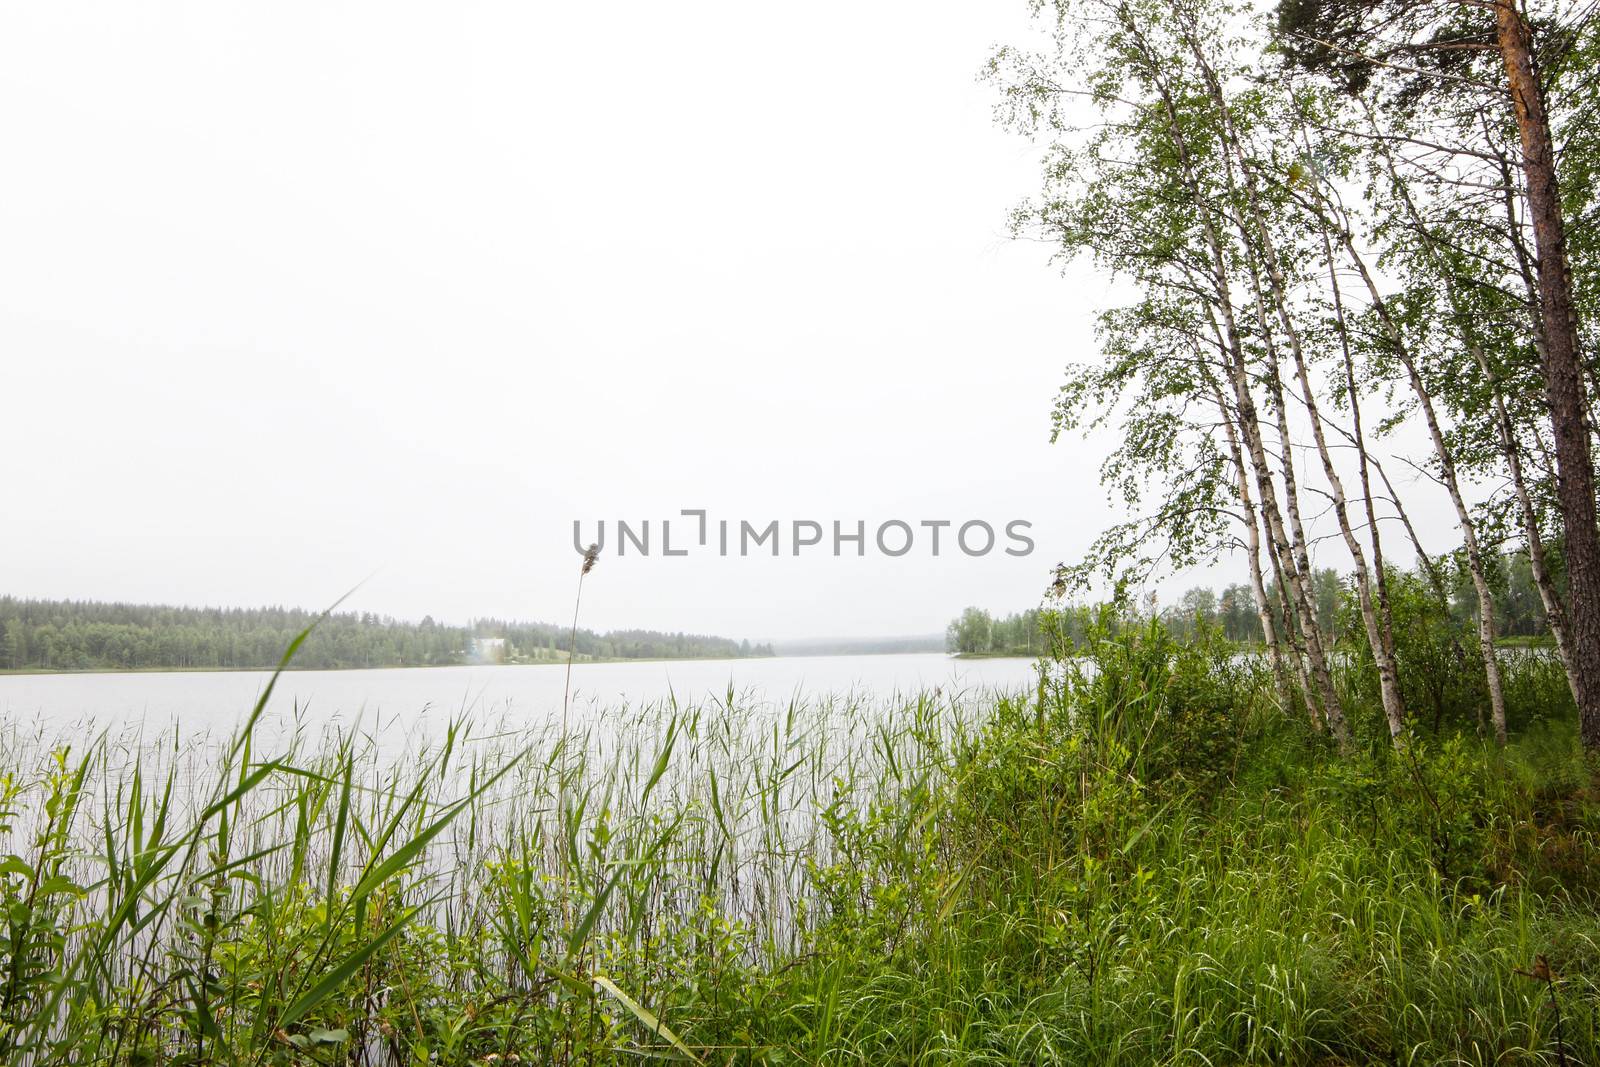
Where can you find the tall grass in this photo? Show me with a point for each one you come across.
(189, 901)
(1140, 862)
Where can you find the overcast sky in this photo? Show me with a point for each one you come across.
(295, 294)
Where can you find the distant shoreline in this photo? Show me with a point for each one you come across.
(7, 672)
(70, 636)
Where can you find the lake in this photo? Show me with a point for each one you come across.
(213, 702)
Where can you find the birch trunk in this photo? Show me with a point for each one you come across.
(1269, 629)
(1447, 468)
(1249, 424)
(1563, 366)
(1259, 236)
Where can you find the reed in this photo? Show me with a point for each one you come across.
(1138, 862)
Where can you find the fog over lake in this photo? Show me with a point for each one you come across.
(400, 699)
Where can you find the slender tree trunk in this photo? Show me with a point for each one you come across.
(1312, 629)
(1424, 558)
(1258, 236)
(1378, 622)
(1555, 613)
(1480, 582)
(1510, 448)
(1363, 461)
(1563, 367)
(1291, 563)
(1269, 629)
(1447, 468)
(1249, 425)
(1291, 624)
(1377, 638)
(1308, 645)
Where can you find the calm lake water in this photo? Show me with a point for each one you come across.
(213, 702)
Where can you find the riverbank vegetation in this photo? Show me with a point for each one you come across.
(977, 633)
(1519, 616)
(68, 635)
(1371, 839)
(1355, 241)
(1145, 858)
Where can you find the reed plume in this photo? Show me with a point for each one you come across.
(591, 555)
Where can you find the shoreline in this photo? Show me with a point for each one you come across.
(611, 661)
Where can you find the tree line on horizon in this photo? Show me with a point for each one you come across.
(1232, 611)
(87, 635)
(1518, 611)
(1335, 220)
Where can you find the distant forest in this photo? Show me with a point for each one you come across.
(83, 635)
(1517, 608)
(860, 646)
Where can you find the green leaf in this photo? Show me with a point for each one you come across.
(580, 933)
(653, 1024)
(16, 865)
(337, 975)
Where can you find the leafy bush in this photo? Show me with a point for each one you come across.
(1145, 860)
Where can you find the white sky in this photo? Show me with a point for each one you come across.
(294, 294)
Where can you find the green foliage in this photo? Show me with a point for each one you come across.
(1144, 860)
(1440, 671)
(82, 635)
(1115, 886)
(1026, 633)
(1440, 664)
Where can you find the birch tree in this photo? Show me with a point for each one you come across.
(1494, 63)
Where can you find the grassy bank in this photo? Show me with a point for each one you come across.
(1143, 861)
